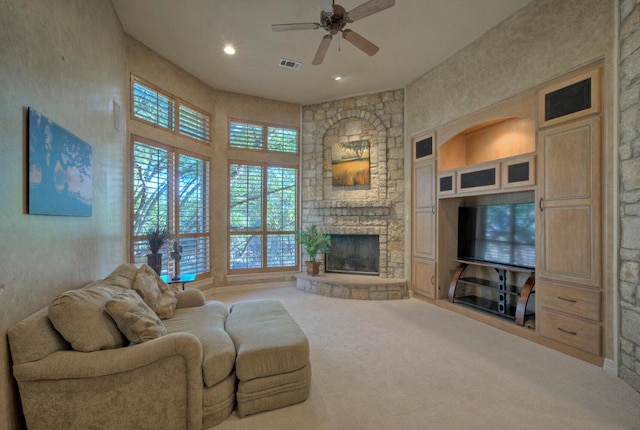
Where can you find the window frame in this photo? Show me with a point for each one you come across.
(264, 232)
(173, 200)
(177, 103)
(265, 133)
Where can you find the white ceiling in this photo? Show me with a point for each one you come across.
(413, 36)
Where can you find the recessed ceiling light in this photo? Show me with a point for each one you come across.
(230, 50)
(337, 77)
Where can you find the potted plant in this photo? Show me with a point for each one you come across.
(156, 238)
(313, 242)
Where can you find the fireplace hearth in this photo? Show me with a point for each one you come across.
(354, 254)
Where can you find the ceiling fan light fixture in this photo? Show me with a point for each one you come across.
(337, 77)
(333, 19)
(229, 50)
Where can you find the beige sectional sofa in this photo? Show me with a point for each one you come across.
(100, 357)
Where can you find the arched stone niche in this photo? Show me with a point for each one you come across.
(348, 127)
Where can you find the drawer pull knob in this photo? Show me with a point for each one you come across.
(572, 333)
(564, 299)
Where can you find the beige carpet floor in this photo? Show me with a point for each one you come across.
(407, 364)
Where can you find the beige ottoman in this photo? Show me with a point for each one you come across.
(272, 357)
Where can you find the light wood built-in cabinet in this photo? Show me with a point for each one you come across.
(542, 147)
(569, 307)
(424, 217)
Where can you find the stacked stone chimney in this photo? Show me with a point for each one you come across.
(376, 208)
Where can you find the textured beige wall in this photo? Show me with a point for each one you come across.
(66, 59)
(160, 72)
(540, 42)
(543, 40)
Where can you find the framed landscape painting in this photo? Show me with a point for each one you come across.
(350, 163)
(60, 169)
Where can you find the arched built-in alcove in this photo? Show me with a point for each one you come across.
(350, 126)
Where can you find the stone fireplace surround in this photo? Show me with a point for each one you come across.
(374, 209)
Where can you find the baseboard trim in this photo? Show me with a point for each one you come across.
(610, 367)
(244, 287)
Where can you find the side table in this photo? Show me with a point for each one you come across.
(182, 279)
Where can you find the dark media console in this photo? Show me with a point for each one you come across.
(498, 296)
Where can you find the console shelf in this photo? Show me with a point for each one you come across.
(501, 298)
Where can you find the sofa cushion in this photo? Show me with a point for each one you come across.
(80, 316)
(34, 338)
(155, 292)
(134, 318)
(207, 324)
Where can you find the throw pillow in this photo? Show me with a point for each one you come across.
(134, 318)
(146, 286)
(123, 276)
(80, 317)
(168, 299)
(161, 298)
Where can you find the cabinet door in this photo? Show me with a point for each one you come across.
(424, 213)
(424, 277)
(569, 206)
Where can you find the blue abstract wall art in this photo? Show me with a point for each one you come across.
(60, 169)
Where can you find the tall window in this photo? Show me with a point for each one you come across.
(170, 189)
(262, 200)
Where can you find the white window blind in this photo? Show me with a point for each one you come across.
(170, 190)
(150, 105)
(194, 124)
(262, 137)
(248, 136)
(262, 217)
(159, 108)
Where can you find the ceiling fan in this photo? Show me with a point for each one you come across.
(334, 19)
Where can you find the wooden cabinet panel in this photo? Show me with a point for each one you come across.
(568, 154)
(570, 99)
(580, 334)
(568, 240)
(568, 244)
(476, 179)
(425, 174)
(424, 277)
(576, 301)
(424, 244)
(424, 209)
(423, 146)
(519, 172)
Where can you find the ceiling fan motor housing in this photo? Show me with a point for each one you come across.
(334, 23)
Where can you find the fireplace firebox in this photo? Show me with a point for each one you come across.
(354, 253)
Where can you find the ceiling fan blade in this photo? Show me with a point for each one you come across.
(295, 26)
(368, 8)
(360, 42)
(322, 49)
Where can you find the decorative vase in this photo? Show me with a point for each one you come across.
(313, 267)
(155, 262)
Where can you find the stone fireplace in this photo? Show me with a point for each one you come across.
(368, 209)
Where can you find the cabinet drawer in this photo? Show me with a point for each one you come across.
(576, 301)
(570, 331)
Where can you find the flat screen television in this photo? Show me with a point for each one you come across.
(499, 234)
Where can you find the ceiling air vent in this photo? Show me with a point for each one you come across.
(290, 64)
